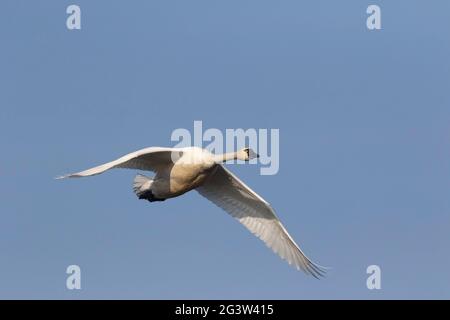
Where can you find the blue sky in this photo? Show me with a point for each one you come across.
(364, 123)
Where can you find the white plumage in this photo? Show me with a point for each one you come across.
(179, 170)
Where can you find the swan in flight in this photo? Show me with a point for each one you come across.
(179, 170)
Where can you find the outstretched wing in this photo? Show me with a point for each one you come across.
(225, 190)
(149, 159)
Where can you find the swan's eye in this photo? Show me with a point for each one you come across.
(247, 150)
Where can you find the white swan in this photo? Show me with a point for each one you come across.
(179, 170)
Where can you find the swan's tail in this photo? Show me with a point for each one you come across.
(141, 184)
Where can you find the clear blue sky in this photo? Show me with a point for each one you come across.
(364, 121)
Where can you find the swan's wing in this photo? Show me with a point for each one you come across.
(225, 190)
(149, 159)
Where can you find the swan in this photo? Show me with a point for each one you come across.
(179, 170)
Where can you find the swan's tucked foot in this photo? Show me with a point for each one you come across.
(141, 184)
(148, 195)
(142, 188)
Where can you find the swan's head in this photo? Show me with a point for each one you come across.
(247, 154)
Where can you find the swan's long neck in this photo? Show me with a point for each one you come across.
(219, 158)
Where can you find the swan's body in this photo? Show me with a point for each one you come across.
(179, 170)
